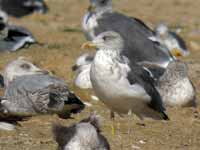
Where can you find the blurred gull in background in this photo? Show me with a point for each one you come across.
(20, 8)
(85, 135)
(31, 91)
(13, 37)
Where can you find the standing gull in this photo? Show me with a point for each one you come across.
(13, 37)
(123, 86)
(31, 91)
(20, 8)
(84, 135)
(171, 40)
(137, 47)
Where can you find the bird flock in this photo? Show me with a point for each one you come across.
(134, 70)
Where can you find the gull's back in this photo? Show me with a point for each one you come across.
(135, 33)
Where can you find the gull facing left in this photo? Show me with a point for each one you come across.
(123, 86)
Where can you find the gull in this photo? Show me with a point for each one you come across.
(120, 84)
(20, 8)
(171, 40)
(13, 37)
(82, 70)
(31, 91)
(84, 135)
(137, 47)
(175, 87)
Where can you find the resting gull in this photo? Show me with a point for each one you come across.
(31, 91)
(20, 8)
(13, 37)
(175, 86)
(82, 70)
(84, 135)
(122, 85)
(138, 47)
(171, 40)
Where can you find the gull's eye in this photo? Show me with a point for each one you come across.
(103, 1)
(108, 38)
(25, 66)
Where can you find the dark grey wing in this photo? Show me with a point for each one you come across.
(20, 8)
(18, 37)
(41, 94)
(180, 40)
(148, 31)
(156, 71)
(143, 77)
(138, 46)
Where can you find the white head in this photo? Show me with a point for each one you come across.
(20, 67)
(83, 60)
(100, 6)
(106, 41)
(161, 29)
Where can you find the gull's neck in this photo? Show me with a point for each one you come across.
(105, 59)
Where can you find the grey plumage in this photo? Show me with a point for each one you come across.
(138, 47)
(31, 91)
(123, 85)
(20, 8)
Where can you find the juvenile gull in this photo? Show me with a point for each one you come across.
(175, 86)
(31, 91)
(137, 47)
(84, 135)
(171, 40)
(82, 70)
(13, 37)
(123, 86)
(20, 8)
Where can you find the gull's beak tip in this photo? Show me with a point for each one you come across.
(176, 52)
(88, 45)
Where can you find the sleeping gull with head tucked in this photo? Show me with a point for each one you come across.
(85, 135)
(175, 87)
(137, 47)
(31, 91)
(122, 85)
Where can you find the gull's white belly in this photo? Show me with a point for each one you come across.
(117, 93)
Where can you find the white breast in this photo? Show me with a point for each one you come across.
(109, 81)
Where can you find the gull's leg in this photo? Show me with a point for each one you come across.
(129, 121)
(112, 116)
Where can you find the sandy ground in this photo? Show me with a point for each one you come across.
(59, 30)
